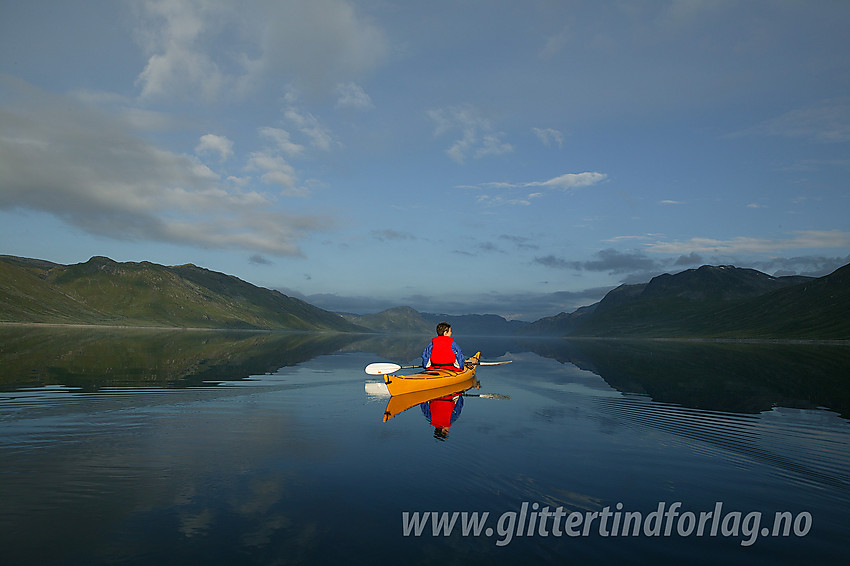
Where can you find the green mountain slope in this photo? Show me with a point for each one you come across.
(709, 302)
(397, 320)
(27, 297)
(405, 320)
(561, 324)
(715, 302)
(816, 309)
(102, 291)
(729, 303)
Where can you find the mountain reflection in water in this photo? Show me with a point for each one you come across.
(91, 358)
(733, 377)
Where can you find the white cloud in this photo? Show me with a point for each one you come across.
(352, 95)
(138, 118)
(319, 43)
(804, 239)
(549, 136)
(616, 239)
(476, 133)
(273, 161)
(217, 145)
(571, 180)
(827, 121)
(275, 170)
(90, 170)
(565, 182)
(496, 200)
(208, 50)
(492, 145)
(811, 265)
(176, 37)
(282, 141)
(320, 137)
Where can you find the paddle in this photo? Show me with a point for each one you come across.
(380, 368)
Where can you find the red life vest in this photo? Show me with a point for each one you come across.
(441, 411)
(441, 351)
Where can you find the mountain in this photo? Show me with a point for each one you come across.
(477, 324)
(816, 309)
(708, 302)
(723, 282)
(405, 320)
(397, 320)
(716, 302)
(103, 291)
(561, 324)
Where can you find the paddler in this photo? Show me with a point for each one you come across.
(443, 352)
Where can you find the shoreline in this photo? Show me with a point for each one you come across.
(800, 341)
(178, 328)
(818, 341)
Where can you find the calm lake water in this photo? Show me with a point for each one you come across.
(194, 447)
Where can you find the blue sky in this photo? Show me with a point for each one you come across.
(516, 158)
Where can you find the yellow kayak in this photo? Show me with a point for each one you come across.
(431, 378)
(400, 403)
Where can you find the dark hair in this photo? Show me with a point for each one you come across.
(442, 328)
(441, 434)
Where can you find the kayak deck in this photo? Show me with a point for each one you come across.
(431, 378)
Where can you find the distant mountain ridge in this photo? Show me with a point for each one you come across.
(103, 291)
(715, 302)
(724, 282)
(406, 320)
(708, 302)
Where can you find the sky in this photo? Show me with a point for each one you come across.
(512, 158)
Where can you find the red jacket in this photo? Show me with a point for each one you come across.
(441, 411)
(441, 352)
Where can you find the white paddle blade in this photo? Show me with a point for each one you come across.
(381, 368)
(494, 363)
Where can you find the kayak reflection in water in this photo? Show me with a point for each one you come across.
(442, 413)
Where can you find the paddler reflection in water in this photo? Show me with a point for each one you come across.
(442, 413)
(443, 351)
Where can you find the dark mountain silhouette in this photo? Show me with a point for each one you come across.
(715, 302)
(708, 302)
(405, 320)
(103, 291)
